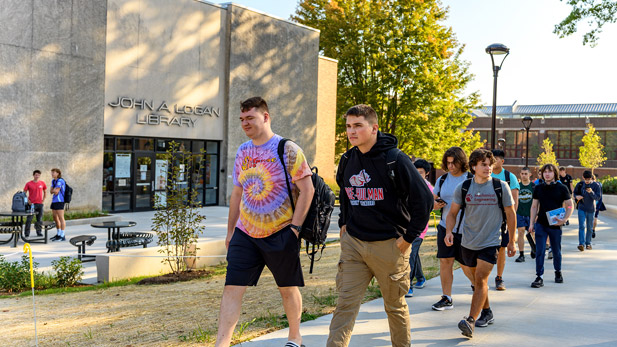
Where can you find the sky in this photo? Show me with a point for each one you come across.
(541, 69)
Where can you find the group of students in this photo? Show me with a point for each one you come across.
(385, 205)
(36, 191)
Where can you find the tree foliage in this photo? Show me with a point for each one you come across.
(591, 153)
(548, 156)
(177, 220)
(596, 13)
(396, 56)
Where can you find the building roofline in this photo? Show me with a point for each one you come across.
(227, 4)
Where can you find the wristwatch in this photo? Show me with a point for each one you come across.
(295, 227)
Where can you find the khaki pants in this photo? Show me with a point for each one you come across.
(360, 262)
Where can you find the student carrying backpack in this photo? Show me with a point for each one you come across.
(314, 230)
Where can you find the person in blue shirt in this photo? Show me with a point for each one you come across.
(510, 178)
(58, 186)
(586, 193)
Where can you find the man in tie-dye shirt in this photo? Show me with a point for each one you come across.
(263, 229)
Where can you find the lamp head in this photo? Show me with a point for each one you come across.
(497, 49)
(527, 122)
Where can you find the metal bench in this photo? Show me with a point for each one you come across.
(12, 228)
(130, 239)
(80, 242)
(46, 227)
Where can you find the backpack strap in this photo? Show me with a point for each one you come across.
(499, 193)
(506, 174)
(464, 191)
(280, 150)
(469, 175)
(391, 159)
(442, 179)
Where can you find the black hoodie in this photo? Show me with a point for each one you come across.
(371, 208)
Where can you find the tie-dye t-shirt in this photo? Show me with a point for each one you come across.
(265, 207)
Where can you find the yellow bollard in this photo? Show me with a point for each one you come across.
(434, 219)
(28, 249)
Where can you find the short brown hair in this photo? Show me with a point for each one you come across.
(479, 155)
(363, 110)
(257, 101)
(460, 158)
(58, 171)
(550, 167)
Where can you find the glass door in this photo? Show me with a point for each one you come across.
(160, 178)
(144, 183)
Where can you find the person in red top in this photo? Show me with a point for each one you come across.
(36, 190)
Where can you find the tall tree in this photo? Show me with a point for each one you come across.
(397, 56)
(548, 156)
(596, 13)
(591, 153)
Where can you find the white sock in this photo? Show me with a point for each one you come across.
(61, 232)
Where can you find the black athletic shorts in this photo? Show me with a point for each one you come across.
(470, 257)
(505, 238)
(57, 206)
(444, 251)
(247, 256)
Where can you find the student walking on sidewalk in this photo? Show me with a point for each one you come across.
(548, 196)
(485, 201)
(263, 229)
(586, 193)
(385, 205)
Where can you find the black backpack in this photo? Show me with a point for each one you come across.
(68, 191)
(314, 230)
(498, 192)
(20, 202)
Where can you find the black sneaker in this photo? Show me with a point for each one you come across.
(558, 277)
(520, 259)
(54, 238)
(539, 282)
(499, 284)
(486, 318)
(466, 325)
(59, 238)
(443, 304)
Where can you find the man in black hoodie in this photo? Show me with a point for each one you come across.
(384, 207)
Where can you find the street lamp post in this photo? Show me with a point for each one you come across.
(496, 49)
(527, 124)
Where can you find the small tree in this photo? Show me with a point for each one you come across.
(591, 153)
(548, 156)
(177, 220)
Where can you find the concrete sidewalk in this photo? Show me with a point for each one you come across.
(578, 312)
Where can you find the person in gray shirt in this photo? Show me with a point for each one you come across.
(481, 232)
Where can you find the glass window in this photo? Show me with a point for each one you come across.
(108, 172)
(107, 202)
(122, 202)
(611, 145)
(108, 144)
(198, 146)
(211, 175)
(161, 145)
(211, 196)
(144, 144)
(212, 147)
(123, 144)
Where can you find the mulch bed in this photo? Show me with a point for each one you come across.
(180, 277)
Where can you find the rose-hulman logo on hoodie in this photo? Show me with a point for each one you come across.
(362, 196)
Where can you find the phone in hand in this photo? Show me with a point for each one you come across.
(440, 200)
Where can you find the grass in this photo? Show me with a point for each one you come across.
(216, 271)
(71, 215)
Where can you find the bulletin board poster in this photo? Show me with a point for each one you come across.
(123, 165)
(160, 174)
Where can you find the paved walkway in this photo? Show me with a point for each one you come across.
(579, 312)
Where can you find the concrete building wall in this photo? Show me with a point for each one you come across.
(52, 70)
(326, 118)
(168, 52)
(276, 60)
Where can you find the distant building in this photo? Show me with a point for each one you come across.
(564, 125)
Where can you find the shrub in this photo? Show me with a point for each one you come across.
(68, 271)
(15, 276)
(609, 184)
